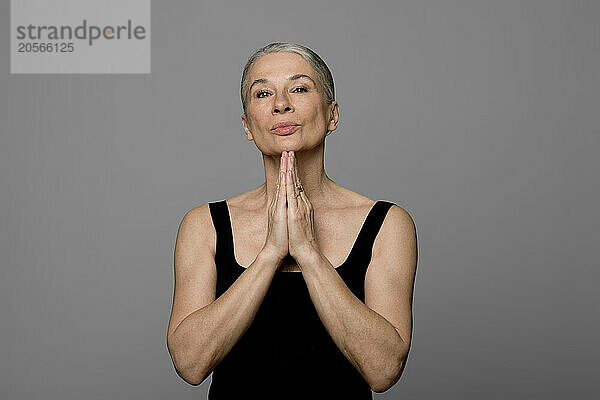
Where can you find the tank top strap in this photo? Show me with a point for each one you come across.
(364, 242)
(220, 217)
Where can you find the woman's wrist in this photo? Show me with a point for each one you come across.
(270, 256)
(308, 255)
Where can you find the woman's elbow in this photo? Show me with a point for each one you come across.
(385, 382)
(192, 373)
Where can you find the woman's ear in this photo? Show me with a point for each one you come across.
(246, 128)
(333, 116)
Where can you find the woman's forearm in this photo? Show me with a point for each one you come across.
(207, 335)
(366, 338)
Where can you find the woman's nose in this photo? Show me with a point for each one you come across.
(282, 104)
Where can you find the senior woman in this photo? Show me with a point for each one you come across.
(299, 288)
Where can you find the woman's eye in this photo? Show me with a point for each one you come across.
(300, 89)
(261, 94)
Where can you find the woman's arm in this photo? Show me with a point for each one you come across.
(210, 328)
(198, 342)
(207, 335)
(374, 337)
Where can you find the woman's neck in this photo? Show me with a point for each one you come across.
(311, 173)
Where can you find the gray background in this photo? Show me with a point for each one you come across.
(480, 118)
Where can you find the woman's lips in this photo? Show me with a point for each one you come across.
(286, 130)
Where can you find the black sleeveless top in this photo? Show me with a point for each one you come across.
(287, 353)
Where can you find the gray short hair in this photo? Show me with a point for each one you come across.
(312, 58)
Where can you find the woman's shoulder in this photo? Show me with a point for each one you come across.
(358, 200)
(348, 200)
(202, 214)
(250, 201)
(396, 217)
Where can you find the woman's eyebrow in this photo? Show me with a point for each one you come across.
(298, 76)
(262, 80)
(291, 78)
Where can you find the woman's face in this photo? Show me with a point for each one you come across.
(282, 88)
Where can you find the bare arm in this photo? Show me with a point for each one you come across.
(207, 335)
(375, 335)
(203, 330)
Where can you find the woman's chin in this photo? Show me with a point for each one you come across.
(289, 146)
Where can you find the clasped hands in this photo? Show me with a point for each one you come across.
(291, 224)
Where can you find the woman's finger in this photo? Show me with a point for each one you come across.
(296, 171)
(305, 201)
(276, 197)
(290, 185)
(297, 183)
(281, 189)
